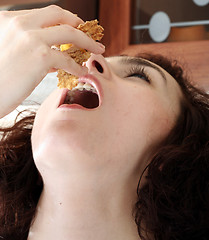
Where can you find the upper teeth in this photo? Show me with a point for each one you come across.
(81, 86)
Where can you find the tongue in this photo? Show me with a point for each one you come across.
(85, 98)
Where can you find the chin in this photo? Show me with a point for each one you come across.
(59, 158)
(60, 140)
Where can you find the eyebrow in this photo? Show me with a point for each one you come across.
(143, 62)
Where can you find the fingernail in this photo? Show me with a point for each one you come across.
(101, 45)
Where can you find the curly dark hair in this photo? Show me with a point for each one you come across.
(172, 204)
(20, 183)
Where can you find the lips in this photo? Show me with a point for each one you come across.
(92, 80)
(81, 96)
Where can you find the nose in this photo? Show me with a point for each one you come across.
(97, 64)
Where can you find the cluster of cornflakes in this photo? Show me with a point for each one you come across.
(79, 55)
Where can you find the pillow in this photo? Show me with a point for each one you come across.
(43, 90)
(40, 93)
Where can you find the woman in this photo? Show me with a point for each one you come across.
(134, 167)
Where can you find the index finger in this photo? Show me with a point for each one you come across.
(46, 17)
(54, 15)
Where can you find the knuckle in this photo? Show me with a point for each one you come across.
(88, 39)
(4, 14)
(69, 29)
(78, 21)
(29, 37)
(55, 8)
(43, 52)
(18, 22)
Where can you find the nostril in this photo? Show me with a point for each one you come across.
(98, 66)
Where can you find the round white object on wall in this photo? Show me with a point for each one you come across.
(201, 2)
(159, 26)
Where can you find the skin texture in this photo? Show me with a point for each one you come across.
(91, 160)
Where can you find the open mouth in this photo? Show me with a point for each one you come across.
(83, 94)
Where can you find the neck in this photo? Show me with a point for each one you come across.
(88, 210)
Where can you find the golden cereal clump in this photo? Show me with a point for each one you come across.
(79, 55)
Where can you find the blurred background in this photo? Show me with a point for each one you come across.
(86, 9)
(178, 11)
(142, 12)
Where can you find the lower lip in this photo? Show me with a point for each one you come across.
(72, 106)
(68, 106)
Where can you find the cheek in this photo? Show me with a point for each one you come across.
(42, 121)
(142, 116)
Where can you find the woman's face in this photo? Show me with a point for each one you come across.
(139, 105)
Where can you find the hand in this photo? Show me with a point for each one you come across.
(26, 56)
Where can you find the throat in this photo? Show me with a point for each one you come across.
(66, 216)
(85, 98)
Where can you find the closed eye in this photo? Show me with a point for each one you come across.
(138, 72)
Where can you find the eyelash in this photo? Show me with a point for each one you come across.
(134, 71)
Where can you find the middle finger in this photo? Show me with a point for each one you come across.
(66, 34)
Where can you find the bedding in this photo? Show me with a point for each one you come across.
(40, 93)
